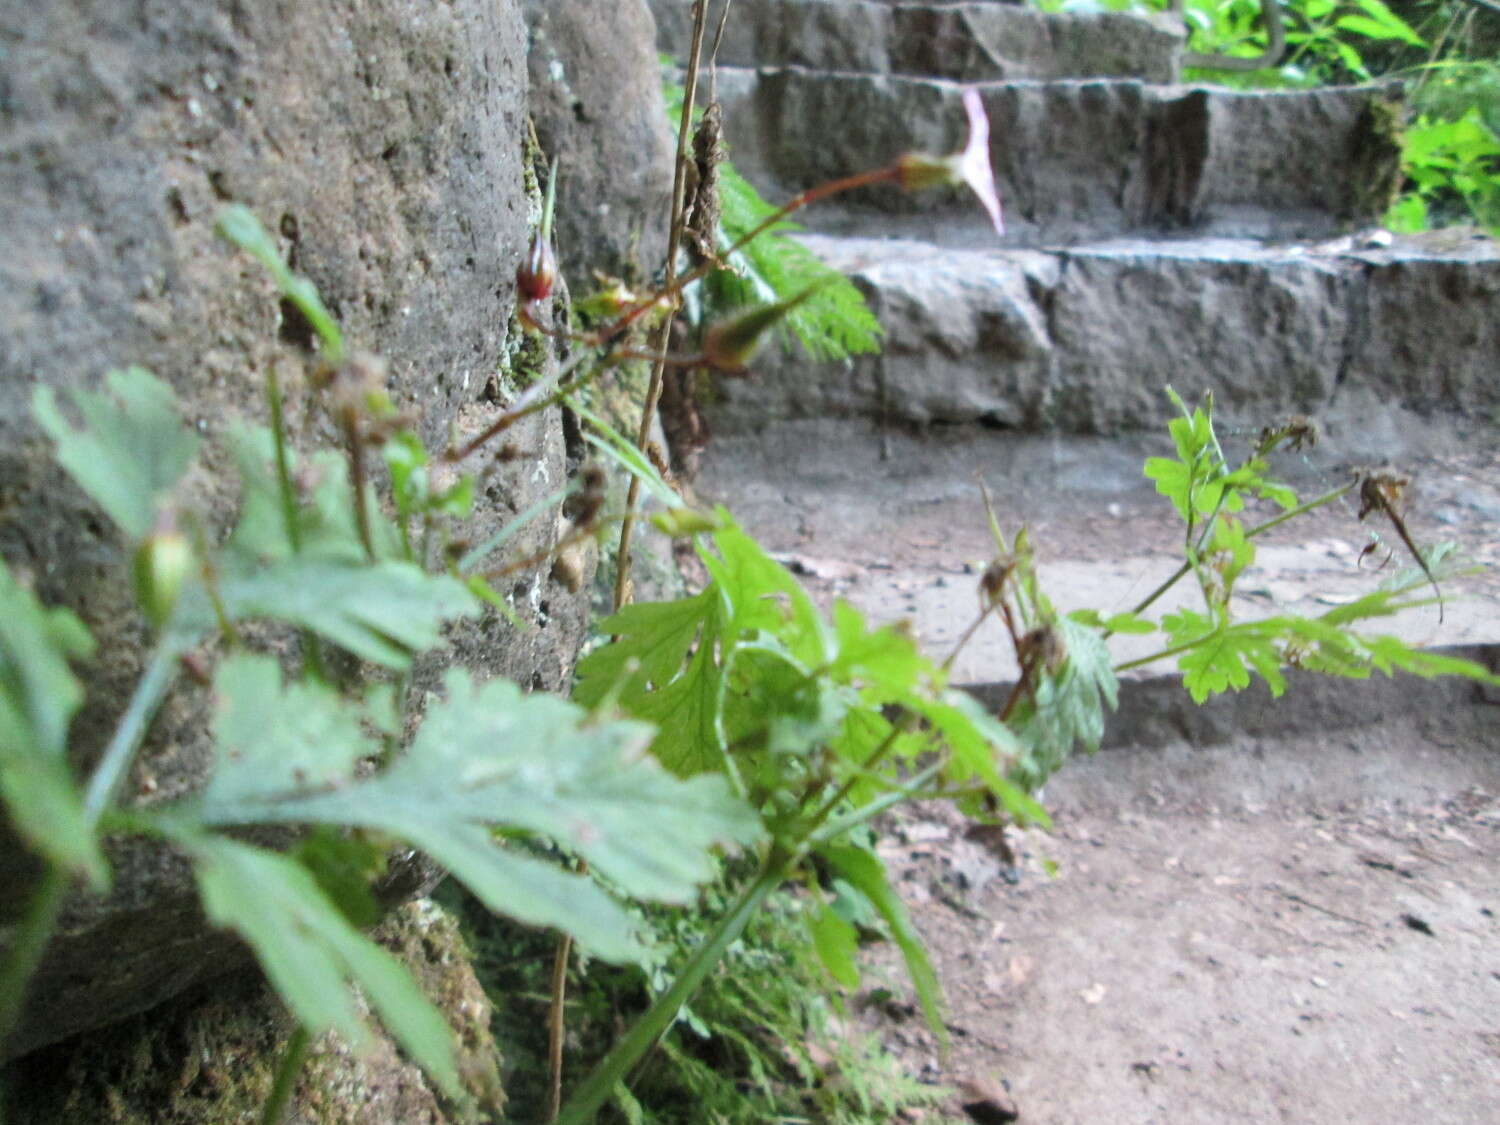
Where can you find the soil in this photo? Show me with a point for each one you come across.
(1294, 921)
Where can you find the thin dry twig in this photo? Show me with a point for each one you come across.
(1292, 896)
(663, 333)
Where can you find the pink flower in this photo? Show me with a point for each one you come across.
(975, 159)
(971, 166)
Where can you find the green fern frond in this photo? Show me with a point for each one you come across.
(834, 323)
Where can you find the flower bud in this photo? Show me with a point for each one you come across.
(161, 566)
(537, 273)
(682, 522)
(971, 166)
(731, 344)
(917, 171)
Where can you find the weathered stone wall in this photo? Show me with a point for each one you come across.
(381, 142)
(596, 98)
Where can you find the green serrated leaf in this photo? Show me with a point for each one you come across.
(1223, 656)
(488, 755)
(1173, 480)
(406, 461)
(1065, 706)
(344, 864)
(1389, 653)
(324, 516)
(652, 642)
(834, 323)
(886, 659)
(762, 595)
(382, 612)
(133, 447)
(980, 744)
(280, 740)
(530, 890)
(311, 954)
(837, 945)
(866, 874)
(1129, 623)
(663, 667)
(39, 695)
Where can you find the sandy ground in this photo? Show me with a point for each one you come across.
(1202, 959)
(1293, 927)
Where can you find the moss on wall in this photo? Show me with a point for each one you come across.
(209, 1057)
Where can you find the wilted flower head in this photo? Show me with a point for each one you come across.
(971, 166)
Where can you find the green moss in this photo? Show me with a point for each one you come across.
(206, 1057)
(1375, 157)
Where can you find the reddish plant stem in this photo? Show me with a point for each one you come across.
(670, 289)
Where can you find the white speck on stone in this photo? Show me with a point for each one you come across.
(210, 83)
(194, 108)
(555, 70)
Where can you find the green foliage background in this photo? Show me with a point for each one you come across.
(1446, 52)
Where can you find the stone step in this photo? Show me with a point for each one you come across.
(1083, 339)
(967, 42)
(904, 535)
(1074, 160)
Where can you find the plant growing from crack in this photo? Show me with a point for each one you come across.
(781, 731)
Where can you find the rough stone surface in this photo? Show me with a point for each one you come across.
(1429, 331)
(381, 143)
(1083, 339)
(208, 1057)
(1073, 160)
(968, 42)
(1264, 331)
(965, 339)
(596, 98)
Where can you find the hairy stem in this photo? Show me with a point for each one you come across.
(36, 927)
(27, 945)
(1142, 661)
(643, 1034)
(284, 486)
(556, 1023)
(967, 636)
(547, 393)
(838, 825)
(663, 334)
(1177, 575)
(312, 648)
(357, 475)
(287, 1071)
(877, 755)
(114, 765)
(476, 556)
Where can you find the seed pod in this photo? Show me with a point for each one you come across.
(161, 566)
(917, 171)
(681, 522)
(731, 344)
